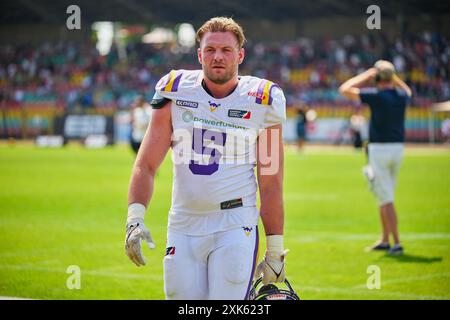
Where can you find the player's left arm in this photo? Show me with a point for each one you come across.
(350, 88)
(399, 83)
(270, 172)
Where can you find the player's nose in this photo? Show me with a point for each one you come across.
(218, 56)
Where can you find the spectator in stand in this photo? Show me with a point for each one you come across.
(306, 69)
(140, 117)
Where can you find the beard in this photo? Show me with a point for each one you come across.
(222, 78)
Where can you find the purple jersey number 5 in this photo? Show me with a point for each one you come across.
(198, 141)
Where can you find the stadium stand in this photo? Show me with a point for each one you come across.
(51, 78)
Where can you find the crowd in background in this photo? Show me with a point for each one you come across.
(75, 75)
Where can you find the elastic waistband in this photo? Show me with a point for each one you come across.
(386, 145)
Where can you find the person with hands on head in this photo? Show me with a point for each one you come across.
(387, 102)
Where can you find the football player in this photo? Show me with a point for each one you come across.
(220, 126)
(387, 102)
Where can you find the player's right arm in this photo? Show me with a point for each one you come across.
(154, 147)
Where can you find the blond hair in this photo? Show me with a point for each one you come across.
(385, 70)
(222, 24)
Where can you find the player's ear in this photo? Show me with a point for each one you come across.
(241, 55)
(199, 55)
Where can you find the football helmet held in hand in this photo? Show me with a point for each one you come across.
(271, 291)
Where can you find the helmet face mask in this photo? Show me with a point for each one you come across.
(272, 292)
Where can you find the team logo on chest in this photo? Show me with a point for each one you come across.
(247, 230)
(213, 106)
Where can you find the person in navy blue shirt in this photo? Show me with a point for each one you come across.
(387, 101)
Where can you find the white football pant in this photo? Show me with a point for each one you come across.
(215, 266)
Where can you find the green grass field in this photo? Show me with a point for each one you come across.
(62, 207)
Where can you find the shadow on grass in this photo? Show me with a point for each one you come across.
(412, 258)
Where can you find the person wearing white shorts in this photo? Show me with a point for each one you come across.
(387, 102)
(385, 160)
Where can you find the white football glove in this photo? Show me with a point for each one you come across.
(135, 232)
(272, 267)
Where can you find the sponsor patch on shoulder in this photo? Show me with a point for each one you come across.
(241, 114)
(188, 104)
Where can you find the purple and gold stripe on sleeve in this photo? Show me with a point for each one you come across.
(264, 95)
(172, 82)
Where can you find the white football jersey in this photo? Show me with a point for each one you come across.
(214, 149)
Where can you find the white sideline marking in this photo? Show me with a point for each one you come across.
(35, 252)
(408, 279)
(311, 196)
(13, 298)
(397, 295)
(359, 289)
(100, 273)
(369, 236)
